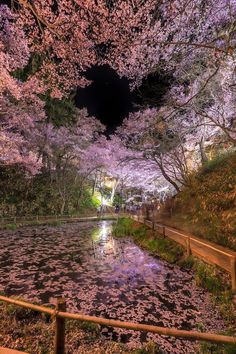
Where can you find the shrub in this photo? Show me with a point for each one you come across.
(205, 276)
(11, 227)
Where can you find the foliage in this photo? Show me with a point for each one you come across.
(211, 279)
(187, 262)
(149, 348)
(39, 195)
(207, 207)
(11, 227)
(210, 348)
(205, 276)
(60, 112)
(118, 200)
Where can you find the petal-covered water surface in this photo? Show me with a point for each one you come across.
(103, 276)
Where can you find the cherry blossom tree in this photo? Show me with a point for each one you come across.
(134, 37)
(21, 107)
(62, 148)
(158, 142)
(53, 43)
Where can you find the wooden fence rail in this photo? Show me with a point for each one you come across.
(61, 315)
(46, 218)
(208, 251)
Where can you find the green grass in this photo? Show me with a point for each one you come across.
(211, 348)
(165, 248)
(149, 348)
(123, 227)
(91, 328)
(210, 278)
(11, 226)
(206, 277)
(187, 262)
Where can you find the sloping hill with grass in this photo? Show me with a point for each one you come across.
(207, 207)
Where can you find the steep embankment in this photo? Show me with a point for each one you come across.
(207, 207)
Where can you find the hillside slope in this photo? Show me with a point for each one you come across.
(207, 207)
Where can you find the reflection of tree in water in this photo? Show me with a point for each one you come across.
(103, 242)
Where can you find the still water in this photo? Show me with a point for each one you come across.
(103, 276)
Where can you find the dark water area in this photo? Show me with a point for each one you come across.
(107, 277)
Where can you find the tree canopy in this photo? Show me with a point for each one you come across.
(46, 48)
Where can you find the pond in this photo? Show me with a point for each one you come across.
(103, 276)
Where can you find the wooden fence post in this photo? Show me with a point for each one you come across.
(59, 340)
(164, 231)
(233, 273)
(188, 246)
(153, 221)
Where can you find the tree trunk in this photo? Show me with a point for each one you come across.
(63, 207)
(94, 185)
(202, 151)
(113, 191)
(165, 175)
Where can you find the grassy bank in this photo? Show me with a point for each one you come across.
(215, 282)
(52, 222)
(207, 206)
(209, 277)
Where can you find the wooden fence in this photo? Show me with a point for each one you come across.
(29, 219)
(60, 315)
(208, 251)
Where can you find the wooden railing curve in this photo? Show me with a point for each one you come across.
(208, 251)
(60, 314)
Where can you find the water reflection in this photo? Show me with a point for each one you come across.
(103, 242)
(103, 276)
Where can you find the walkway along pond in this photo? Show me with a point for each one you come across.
(107, 277)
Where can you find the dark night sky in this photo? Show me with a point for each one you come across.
(109, 99)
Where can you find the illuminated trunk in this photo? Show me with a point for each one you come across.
(202, 151)
(113, 191)
(166, 176)
(63, 207)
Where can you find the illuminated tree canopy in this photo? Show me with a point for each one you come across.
(46, 48)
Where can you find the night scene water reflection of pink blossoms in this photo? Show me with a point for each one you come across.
(107, 277)
(173, 63)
